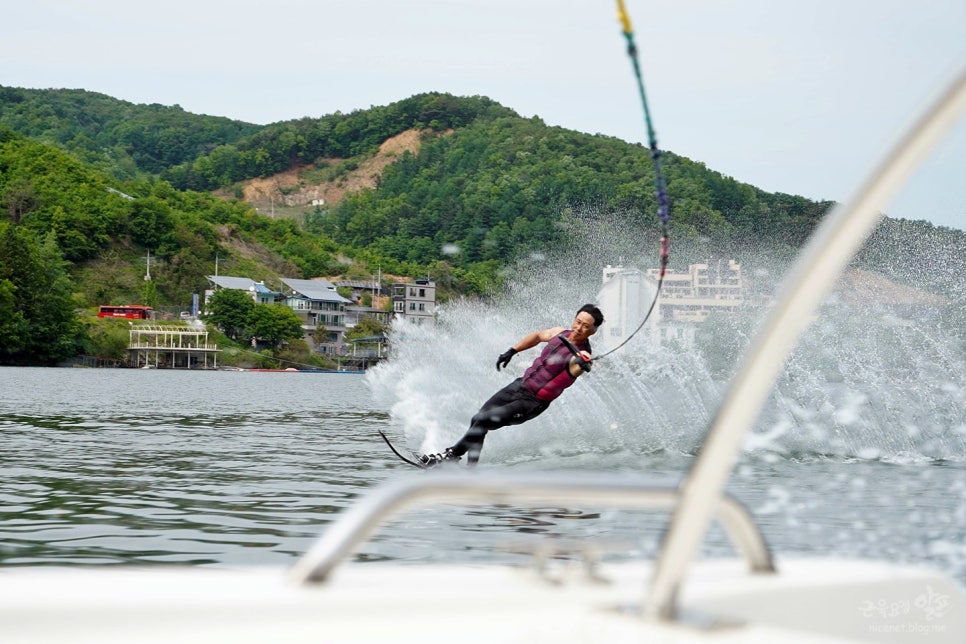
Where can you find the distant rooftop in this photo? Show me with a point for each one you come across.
(238, 283)
(319, 290)
(357, 284)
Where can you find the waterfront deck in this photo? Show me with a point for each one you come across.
(154, 346)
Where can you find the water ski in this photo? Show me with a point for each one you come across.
(401, 456)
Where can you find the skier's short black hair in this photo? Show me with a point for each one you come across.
(594, 312)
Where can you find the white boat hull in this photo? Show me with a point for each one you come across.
(807, 601)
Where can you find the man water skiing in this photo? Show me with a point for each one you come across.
(566, 356)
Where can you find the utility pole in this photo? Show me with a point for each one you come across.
(147, 275)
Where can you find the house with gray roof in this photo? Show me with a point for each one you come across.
(358, 287)
(259, 293)
(318, 304)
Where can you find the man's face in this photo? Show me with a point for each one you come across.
(583, 327)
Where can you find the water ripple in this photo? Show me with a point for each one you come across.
(105, 467)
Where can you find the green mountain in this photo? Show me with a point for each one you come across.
(121, 138)
(106, 182)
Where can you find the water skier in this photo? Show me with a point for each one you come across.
(566, 356)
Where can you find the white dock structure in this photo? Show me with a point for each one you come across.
(156, 346)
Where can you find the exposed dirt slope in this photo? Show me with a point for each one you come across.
(295, 188)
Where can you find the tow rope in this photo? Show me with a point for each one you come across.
(660, 184)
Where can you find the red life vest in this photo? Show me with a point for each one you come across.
(549, 374)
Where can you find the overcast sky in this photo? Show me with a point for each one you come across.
(800, 97)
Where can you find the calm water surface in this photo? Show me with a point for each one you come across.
(246, 468)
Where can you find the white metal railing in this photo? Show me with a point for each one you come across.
(362, 519)
(828, 251)
(702, 495)
(173, 347)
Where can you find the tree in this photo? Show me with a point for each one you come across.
(320, 335)
(19, 199)
(56, 329)
(229, 310)
(151, 222)
(367, 327)
(274, 324)
(149, 293)
(107, 339)
(296, 352)
(13, 326)
(40, 326)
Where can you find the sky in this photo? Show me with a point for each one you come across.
(799, 97)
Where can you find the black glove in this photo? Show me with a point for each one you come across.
(504, 358)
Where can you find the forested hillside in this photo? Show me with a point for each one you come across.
(278, 147)
(101, 183)
(501, 185)
(120, 138)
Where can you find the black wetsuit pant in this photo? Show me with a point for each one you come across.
(511, 405)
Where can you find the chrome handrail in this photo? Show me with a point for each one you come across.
(828, 251)
(362, 519)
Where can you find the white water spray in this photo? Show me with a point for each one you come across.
(863, 384)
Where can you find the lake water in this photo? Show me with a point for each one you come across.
(219, 468)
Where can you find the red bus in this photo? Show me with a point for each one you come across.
(129, 311)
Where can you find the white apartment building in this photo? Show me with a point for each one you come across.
(687, 299)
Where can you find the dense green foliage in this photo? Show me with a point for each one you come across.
(89, 186)
(118, 137)
(37, 320)
(368, 327)
(498, 187)
(241, 319)
(107, 339)
(274, 324)
(278, 147)
(46, 190)
(229, 310)
(105, 232)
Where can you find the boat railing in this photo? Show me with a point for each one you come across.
(701, 496)
(828, 251)
(361, 521)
